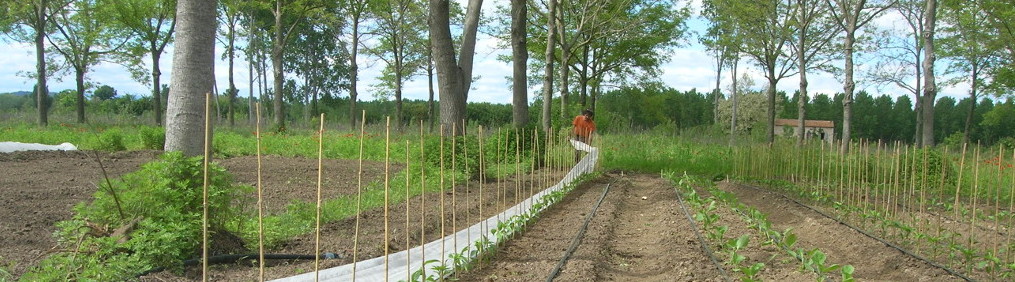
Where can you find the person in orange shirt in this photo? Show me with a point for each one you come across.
(583, 129)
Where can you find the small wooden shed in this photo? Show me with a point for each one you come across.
(821, 129)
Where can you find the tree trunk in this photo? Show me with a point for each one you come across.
(848, 87)
(548, 71)
(232, 83)
(718, 79)
(972, 102)
(771, 106)
(193, 76)
(429, 80)
(519, 59)
(354, 72)
(453, 78)
(930, 86)
(733, 98)
(157, 87)
(565, 49)
(802, 67)
(41, 90)
(79, 78)
(276, 68)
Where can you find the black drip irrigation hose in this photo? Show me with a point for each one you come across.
(872, 236)
(578, 238)
(701, 240)
(231, 258)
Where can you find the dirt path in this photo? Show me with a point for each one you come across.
(638, 234)
(873, 260)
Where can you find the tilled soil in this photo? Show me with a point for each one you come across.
(873, 260)
(638, 233)
(40, 188)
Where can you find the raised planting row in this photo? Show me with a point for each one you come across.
(843, 244)
(765, 257)
(932, 236)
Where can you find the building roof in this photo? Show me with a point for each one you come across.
(807, 123)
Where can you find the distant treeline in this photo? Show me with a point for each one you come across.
(623, 110)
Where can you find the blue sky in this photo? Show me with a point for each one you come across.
(689, 67)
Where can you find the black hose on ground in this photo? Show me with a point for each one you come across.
(872, 236)
(578, 238)
(701, 240)
(231, 258)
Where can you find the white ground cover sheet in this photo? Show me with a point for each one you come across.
(397, 269)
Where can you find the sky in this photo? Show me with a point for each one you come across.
(689, 67)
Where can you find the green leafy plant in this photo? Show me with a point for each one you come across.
(162, 205)
(111, 140)
(152, 138)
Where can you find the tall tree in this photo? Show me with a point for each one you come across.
(357, 14)
(930, 85)
(767, 28)
(288, 15)
(153, 23)
(519, 60)
(723, 40)
(551, 42)
(82, 39)
(902, 58)
(812, 44)
(193, 76)
(454, 77)
(30, 22)
(401, 45)
(229, 20)
(850, 16)
(965, 33)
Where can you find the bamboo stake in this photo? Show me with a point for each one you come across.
(387, 190)
(317, 227)
(260, 198)
(359, 194)
(958, 183)
(468, 173)
(1011, 208)
(976, 187)
(893, 200)
(923, 180)
(454, 200)
(422, 202)
(443, 245)
(482, 179)
(997, 199)
(204, 217)
(408, 251)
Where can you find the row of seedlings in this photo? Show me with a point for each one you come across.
(953, 206)
(814, 261)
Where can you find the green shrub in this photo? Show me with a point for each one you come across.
(111, 140)
(152, 138)
(167, 197)
(455, 149)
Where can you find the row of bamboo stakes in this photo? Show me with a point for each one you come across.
(554, 158)
(946, 193)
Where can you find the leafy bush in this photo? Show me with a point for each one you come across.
(165, 197)
(111, 140)
(152, 138)
(468, 163)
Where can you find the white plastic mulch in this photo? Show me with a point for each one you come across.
(398, 266)
(7, 147)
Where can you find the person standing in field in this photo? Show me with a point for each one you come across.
(583, 129)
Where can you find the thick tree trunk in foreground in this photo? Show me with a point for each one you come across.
(193, 76)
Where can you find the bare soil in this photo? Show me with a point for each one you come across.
(639, 233)
(39, 188)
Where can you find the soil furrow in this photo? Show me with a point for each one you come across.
(843, 245)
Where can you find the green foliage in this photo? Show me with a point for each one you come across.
(454, 153)
(152, 138)
(166, 198)
(111, 140)
(104, 92)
